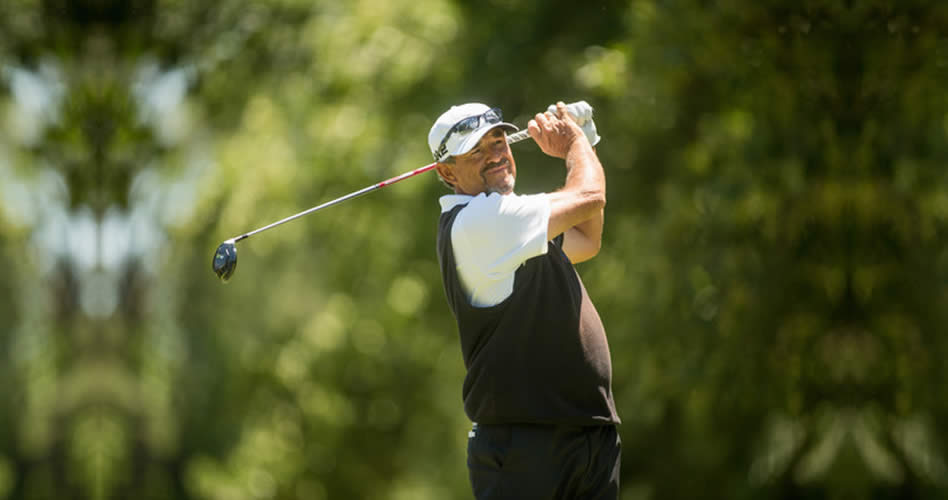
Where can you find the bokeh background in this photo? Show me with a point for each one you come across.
(772, 280)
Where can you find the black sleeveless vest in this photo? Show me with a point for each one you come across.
(541, 355)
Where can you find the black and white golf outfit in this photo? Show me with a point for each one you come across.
(538, 384)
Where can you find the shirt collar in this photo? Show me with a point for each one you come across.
(450, 201)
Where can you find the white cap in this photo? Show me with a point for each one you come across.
(460, 143)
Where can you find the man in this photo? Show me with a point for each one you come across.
(538, 385)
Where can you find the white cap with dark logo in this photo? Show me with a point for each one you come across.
(460, 128)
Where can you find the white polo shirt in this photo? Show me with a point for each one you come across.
(492, 236)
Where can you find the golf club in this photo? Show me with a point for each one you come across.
(225, 258)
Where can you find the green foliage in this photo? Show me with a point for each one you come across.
(772, 275)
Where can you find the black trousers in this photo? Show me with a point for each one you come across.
(527, 462)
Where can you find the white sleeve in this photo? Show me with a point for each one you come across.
(496, 233)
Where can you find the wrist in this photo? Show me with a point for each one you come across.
(579, 144)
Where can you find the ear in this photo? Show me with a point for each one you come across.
(447, 173)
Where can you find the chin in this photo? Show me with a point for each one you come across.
(505, 188)
(502, 184)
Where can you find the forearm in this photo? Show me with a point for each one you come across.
(584, 175)
(580, 202)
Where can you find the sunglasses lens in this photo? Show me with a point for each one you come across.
(467, 124)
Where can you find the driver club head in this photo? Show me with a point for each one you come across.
(225, 260)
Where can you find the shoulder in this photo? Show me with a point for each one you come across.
(493, 206)
(496, 219)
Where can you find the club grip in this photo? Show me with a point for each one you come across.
(580, 109)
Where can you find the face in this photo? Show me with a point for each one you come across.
(488, 168)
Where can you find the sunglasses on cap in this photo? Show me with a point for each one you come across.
(466, 126)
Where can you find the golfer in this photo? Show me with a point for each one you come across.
(538, 386)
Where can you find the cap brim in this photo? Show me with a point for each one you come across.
(470, 141)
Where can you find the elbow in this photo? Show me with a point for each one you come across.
(596, 200)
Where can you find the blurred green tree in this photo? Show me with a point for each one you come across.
(772, 278)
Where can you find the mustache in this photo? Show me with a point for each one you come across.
(495, 164)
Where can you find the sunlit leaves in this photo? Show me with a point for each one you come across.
(771, 279)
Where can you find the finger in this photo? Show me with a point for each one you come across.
(543, 120)
(554, 120)
(533, 129)
(563, 112)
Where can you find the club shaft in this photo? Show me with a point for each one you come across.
(517, 136)
(511, 139)
(318, 207)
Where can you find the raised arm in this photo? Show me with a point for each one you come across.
(576, 208)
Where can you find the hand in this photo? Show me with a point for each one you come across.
(555, 133)
(582, 114)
